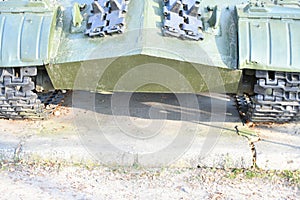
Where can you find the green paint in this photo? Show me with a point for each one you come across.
(108, 72)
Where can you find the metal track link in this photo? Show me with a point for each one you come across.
(17, 97)
(276, 99)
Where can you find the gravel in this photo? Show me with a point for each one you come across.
(54, 181)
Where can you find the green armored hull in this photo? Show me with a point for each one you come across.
(184, 46)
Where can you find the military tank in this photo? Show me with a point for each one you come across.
(253, 45)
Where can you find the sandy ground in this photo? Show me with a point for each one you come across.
(39, 181)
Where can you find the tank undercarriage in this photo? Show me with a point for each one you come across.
(275, 96)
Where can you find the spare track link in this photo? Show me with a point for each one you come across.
(276, 98)
(17, 97)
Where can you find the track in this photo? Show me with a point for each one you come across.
(18, 99)
(276, 98)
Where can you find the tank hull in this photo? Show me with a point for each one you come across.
(178, 46)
